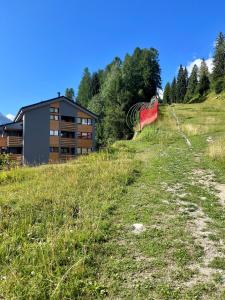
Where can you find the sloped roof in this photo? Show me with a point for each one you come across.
(42, 103)
(12, 125)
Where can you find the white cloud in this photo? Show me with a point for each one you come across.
(160, 92)
(198, 61)
(10, 117)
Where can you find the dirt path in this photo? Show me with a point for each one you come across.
(179, 128)
(198, 224)
(169, 241)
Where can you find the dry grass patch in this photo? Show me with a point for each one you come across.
(216, 150)
(195, 129)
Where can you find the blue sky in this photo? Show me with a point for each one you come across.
(46, 44)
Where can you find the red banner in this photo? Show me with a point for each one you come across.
(148, 115)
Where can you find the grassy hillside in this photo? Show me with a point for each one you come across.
(66, 230)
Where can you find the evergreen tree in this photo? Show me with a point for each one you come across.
(101, 77)
(204, 70)
(192, 84)
(204, 83)
(84, 90)
(97, 105)
(141, 73)
(115, 99)
(219, 57)
(173, 91)
(112, 91)
(95, 84)
(167, 94)
(186, 77)
(69, 93)
(181, 84)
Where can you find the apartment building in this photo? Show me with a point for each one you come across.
(49, 131)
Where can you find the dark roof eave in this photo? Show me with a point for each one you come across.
(10, 123)
(28, 107)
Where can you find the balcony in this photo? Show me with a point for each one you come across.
(3, 142)
(84, 128)
(68, 142)
(67, 126)
(14, 141)
(83, 143)
(16, 157)
(65, 157)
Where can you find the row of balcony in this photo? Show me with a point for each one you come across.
(16, 157)
(70, 142)
(65, 157)
(16, 141)
(69, 126)
(11, 141)
(67, 142)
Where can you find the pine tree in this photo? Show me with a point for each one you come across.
(204, 70)
(95, 84)
(84, 90)
(204, 82)
(112, 91)
(69, 93)
(173, 91)
(219, 57)
(181, 84)
(186, 78)
(192, 84)
(167, 93)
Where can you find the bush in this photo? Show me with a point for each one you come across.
(219, 86)
(4, 161)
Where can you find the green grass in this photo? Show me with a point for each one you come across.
(54, 220)
(66, 230)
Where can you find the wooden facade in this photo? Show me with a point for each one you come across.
(71, 131)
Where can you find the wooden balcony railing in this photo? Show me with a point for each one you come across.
(67, 126)
(16, 157)
(14, 141)
(3, 142)
(64, 157)
(67, 142)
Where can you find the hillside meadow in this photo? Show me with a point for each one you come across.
(67, 230)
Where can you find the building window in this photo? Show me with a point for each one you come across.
(54, 110)
(54, 132)
(54, 149)
(84, 135)
(15, 150)
(79, 151)
(84, 121)
(68, 134)
(84, 150)
(68, 119)
(78, 120)
(65, 150)
(54, 117)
